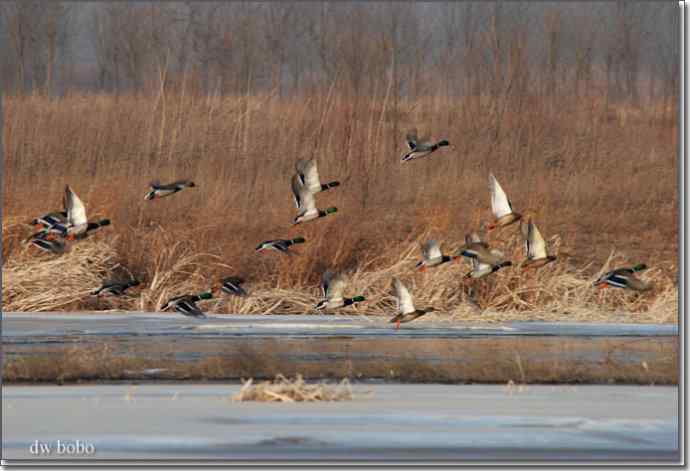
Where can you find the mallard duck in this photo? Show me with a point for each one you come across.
(279, 245)
(476, 243)
(232, 285)
(432, 256)
(161, 191)
(115, 288)
(76, 225)
(308, 176)
(478, 250)
(406, 310)
(186, 304)
(332, 287)
(624, 278)
(420, 147)
(307, 204)
(46, 244)
(501, 206)
(535, 246)
(480, 270)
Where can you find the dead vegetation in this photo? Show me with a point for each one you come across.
(528, 360)
(610, 201)
(282, 389)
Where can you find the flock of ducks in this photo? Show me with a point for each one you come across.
(58, 228)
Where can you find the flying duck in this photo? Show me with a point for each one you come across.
(432, 256)
(420, 147)
(161, 191)
(406, 310)
(332, 287)
(279, 245)
(624, 278)
(232, 285)
(186, 304)
(306, 203)
(115, 288)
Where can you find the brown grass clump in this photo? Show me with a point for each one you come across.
(595, 186)
(42, 282)
(282, 389)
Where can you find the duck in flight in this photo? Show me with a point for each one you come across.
(304, 199)
(406, 310)
(332, 288)
(432, 256)
(186, 304)
(421, 147)
(115, 288)
(624, 278)
(75, 226)
(280, 245)
(233, 285)
(161, 191)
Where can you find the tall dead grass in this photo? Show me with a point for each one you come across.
(596, 184)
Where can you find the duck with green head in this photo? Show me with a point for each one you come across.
(624, 278)
(421, 147)
(280, 245)
(76, 226)
(186, 304)
(332, 288)
(432, 256)
(161, 191)
(304, 199)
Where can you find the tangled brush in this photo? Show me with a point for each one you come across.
(283, 389)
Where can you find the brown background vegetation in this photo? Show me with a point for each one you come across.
(579, 125)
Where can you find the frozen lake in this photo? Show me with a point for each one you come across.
(383, 422)
(22, 325)
(173, 347)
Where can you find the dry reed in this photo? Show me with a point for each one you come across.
(282, 389)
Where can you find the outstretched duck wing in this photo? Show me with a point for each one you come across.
(536, 246)
(296, 190)
(500, 204)
(403, 297)
(76, 211)
(336, 286)
(309, 174)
